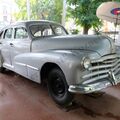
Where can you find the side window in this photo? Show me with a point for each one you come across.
(8, 33)
(20, 33)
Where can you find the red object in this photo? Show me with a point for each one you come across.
(116, 11)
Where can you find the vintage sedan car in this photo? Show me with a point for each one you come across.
(42, 51)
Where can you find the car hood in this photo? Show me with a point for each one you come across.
(96, 43)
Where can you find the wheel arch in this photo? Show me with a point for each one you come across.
(46, 68)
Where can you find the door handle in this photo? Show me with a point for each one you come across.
(11, 44)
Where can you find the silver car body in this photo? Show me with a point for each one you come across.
(29, 56)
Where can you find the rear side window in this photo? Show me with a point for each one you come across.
(20, 33)
(8, 33)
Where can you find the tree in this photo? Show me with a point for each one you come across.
(22, 14)
(84, 13)
(56, 12)
(41, 9)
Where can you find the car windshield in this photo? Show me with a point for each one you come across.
(47, 30)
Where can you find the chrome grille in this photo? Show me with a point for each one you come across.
(100, 68)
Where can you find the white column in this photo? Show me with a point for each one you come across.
(64, 12)
(28, 9)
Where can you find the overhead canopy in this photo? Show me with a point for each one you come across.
(109, 11)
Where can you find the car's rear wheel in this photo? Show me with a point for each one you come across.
(2, 69)
(58, 88)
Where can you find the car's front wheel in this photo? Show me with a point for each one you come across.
(58, 88)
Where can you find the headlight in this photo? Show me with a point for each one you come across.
(86, 62)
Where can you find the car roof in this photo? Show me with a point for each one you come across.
(34, 21)
(30, 22)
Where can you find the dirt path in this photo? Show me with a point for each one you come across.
(21, 99)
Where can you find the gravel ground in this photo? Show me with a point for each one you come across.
(22, 99)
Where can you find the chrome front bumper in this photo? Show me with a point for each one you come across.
(84, 89)
(94, 87)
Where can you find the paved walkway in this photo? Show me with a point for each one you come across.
(21, 99)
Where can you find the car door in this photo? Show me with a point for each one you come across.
(6, 47)
(21, 42)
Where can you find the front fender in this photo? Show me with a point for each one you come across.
(68, 61)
